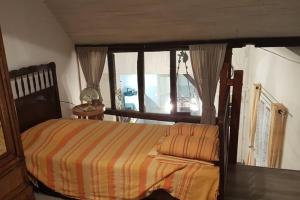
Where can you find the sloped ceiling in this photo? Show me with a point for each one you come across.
(141, 21)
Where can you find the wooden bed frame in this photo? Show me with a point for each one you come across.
(40, 102)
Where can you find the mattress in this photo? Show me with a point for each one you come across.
(89, 159)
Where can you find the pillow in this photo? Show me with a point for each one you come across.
(193, 147)
(204, 130)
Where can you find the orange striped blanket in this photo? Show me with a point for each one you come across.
(89, 159)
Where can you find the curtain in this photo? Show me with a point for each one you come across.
(207, 61)
(92, 60)
(256, 92)
(276, 134)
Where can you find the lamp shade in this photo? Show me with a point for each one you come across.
(89, 94)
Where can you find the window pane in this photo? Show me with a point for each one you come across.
(188, 99)
(104, 86)
(157, 82)
(126, 79)
(187, 96)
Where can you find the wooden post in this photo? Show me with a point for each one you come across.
(54, 78)
(141, 80)
(112, 78)
(224, 88)
(173, 81)
(222, 109)
(235, 115)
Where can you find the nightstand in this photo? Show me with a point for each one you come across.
(81, 112)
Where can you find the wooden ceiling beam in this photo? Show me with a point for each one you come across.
(234, 43)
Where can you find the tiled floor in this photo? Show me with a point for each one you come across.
(252, 183)
(258, 183)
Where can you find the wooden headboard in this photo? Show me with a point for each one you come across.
(36, 94)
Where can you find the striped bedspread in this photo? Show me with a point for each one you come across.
(89, 159)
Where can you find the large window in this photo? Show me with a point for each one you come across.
(152, 82)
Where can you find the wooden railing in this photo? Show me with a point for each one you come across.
(154, 116)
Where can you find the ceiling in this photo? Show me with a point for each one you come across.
(143, 21)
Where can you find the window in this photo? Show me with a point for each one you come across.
(157, 82)
(187, 96)
(126, 80)
(157, 70)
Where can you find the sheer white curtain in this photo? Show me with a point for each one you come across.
(262, 132)
(92, 60)
(207, 61)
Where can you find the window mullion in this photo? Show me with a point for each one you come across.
(112, 78)
(173, 81)
(141, 80)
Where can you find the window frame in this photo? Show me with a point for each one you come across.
(174, 115)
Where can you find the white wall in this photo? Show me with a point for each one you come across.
(32, 36)
(280, 77)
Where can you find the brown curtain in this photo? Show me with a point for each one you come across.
(276, 134)
(92, 60)
(207, 61)
(256, 92)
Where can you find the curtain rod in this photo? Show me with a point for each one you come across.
(268, 96)
(277, 54)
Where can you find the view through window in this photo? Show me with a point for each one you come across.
(157, 82)
(187, 96)
(126, 80)
(157, 92)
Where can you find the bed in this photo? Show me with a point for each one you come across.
(88, 159)
(77, 158)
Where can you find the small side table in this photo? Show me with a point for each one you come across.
(80, 112)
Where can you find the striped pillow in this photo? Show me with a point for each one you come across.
(203, 130)
(193, 147)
